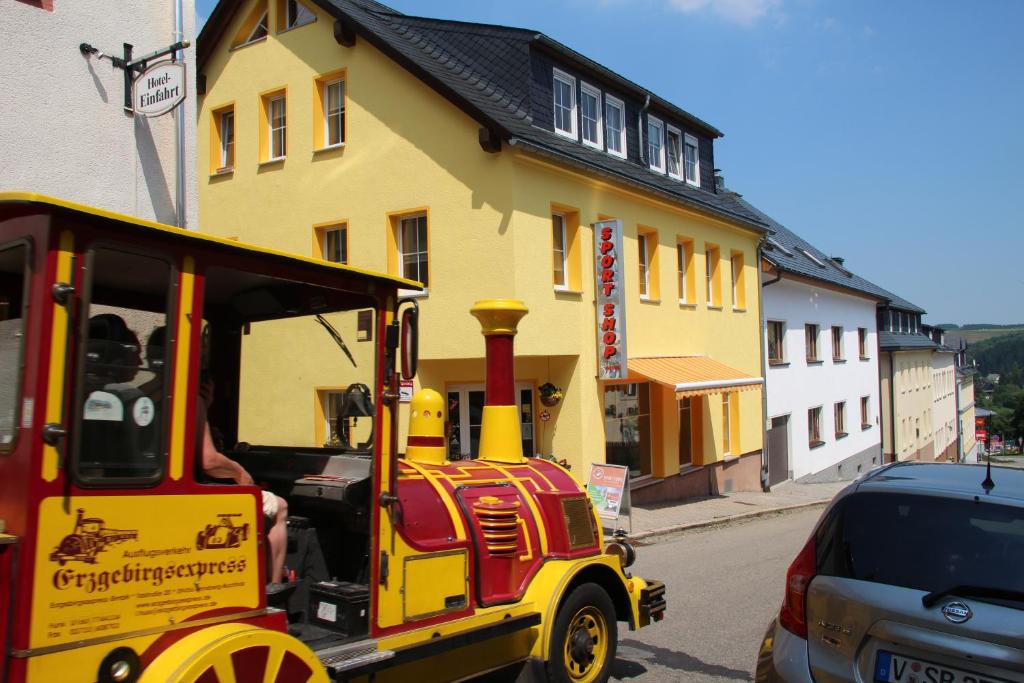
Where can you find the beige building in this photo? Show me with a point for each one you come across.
(906, 383)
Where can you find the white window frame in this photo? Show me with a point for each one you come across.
(616, 103)
(655, 122)
(327, 113)
(681, 269)
(692, 141)
(680, 161)
(644, 254)
(299, 7)
(709, 274)
(726, 424)
(263, 22)
(565, 79)
(225, 142)
(587, 89)
(735, 279)
(342, 230)
(425, 249)
(283, 129)
(565, 250)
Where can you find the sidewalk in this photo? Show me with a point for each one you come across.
(700, 512)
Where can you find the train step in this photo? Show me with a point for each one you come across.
(345, 658)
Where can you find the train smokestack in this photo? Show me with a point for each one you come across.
(500, 438)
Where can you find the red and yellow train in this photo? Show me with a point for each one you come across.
(122, 561)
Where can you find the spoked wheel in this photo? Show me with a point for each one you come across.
(236, 653)
(584, 638)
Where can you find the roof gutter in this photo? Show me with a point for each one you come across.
(745, 223)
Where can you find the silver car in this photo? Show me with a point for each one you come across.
(913, 574)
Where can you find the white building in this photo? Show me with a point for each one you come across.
(821, 358)
(65, 130)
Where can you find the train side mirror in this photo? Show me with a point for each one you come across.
(410, 341)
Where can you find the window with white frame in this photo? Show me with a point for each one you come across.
(682, 263)
(335, 244)
(673, 152)
(655, 144)
(276, 122)
(297, 14)
(561, 266)
(259, 31)
(590, 113)
(645, 266)
(334, 113)
(692, 160)
(565, 104)
(735, 269)
(614, 128)
(412, 248)
(227, 139)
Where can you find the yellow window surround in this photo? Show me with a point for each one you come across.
(739, 299)
(686, 276)
(573, 251)
(320, 231)
(320, 83)
(392, 234)
(653, 263)
(264, 124)
(218, 164)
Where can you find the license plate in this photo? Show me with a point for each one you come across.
(894, 668)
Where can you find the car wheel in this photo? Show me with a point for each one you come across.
(584, 637)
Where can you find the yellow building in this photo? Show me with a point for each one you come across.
(905, 369)
(476, 159)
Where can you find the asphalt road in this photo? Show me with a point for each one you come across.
(723, 587)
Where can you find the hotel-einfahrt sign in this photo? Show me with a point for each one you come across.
(159, 89)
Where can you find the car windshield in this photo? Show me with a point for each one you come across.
(926, 542)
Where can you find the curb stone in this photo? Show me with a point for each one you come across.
(726, 519)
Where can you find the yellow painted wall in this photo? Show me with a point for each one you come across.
(489, 218)
(912, 386)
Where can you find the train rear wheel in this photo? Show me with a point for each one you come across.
(236, 653)
(584, 638)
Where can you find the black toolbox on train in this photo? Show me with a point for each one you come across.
(340, 606)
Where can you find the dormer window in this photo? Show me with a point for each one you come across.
(656, 144)
(673, 152)
(614, 130)
(565, 104)
(692, 160)
(590, 112)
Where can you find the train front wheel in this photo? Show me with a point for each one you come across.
(236, 653)
(584, 637)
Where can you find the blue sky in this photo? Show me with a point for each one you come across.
(888, 132)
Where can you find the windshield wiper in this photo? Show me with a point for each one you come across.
(336, 337)
(973, 591)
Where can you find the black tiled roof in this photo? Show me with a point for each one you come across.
(904, 341)
(486, 70)
(790, 253)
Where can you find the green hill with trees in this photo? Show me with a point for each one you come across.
(1004, 356)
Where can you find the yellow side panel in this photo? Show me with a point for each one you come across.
(58, 352)
(108, 565)
(79, 665)
(435, 584)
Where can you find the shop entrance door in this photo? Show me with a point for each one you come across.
(466, 412)
(778, 450)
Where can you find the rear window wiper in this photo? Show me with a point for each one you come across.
(973, 591)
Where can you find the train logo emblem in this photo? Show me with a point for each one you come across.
(223, 534)
(88, 539)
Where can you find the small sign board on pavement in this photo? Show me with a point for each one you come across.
(608, 489)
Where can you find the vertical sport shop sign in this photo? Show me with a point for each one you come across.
(159, 89)
(611, 311)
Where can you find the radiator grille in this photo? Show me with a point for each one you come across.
(579, 523)
(499, 525)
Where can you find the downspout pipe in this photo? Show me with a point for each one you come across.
(764, 368)
(179, 123)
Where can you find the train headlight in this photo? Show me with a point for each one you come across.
(623, 551)
(121, 665)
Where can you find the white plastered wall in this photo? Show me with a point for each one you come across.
(797, 386)
(65, 132)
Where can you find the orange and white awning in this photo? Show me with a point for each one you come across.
(693, 375)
